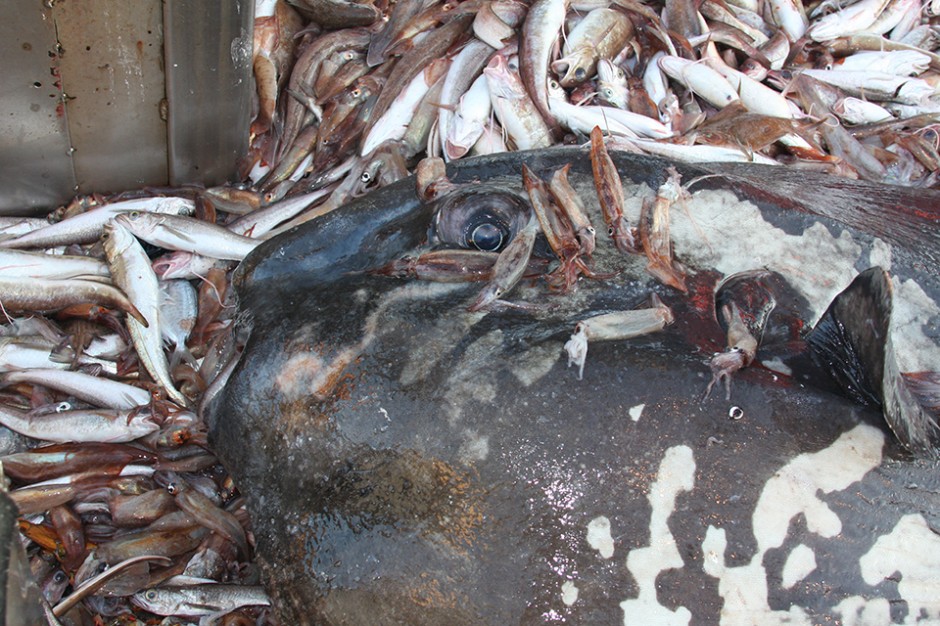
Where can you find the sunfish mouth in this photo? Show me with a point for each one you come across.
(407, 460)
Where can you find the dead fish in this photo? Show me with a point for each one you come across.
(87, 227)
(470, 380)
(542, 26)
(188, 235)
(516, 111)
(131, 270)
(200, 600)
(40, 294)
(337, 13)
(103, 425)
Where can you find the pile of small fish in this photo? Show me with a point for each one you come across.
(851, 90)
(108, 357)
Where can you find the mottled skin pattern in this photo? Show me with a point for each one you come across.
(408, 462)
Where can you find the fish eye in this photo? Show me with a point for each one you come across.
(365, 177)
(610, 231)
(487, 237)
(580, 73)
(620, 73)
(172, 489)
(62, 406)
(608, 92)
(355, 93)
(151, 595)
(478, 219)
(134, 215)
(553, 84)
(59, 577)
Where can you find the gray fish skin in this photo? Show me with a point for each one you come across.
(471, 456)
(200, 600)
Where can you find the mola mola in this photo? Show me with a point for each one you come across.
(409, 461)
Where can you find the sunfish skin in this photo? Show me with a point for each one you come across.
(448, 467)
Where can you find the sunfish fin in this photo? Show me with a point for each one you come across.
(853, 344)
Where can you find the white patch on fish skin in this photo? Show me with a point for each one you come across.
(776, 365)
(636, 411)
(816, 263)
(434, 344)
(310, 374)
(913, 550)
(716, 229)
(915, 351)
(743, 588)
(475, 447)
(676, 474)
(880, 254)
(858, 611)
(800, 563)
(295, 378)
(790, 492)
(530, 366)
(598, 536)
(473, 380)
(569, 593)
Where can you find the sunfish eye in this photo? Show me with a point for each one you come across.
(486, 237)
(476, 218)
(580, 73)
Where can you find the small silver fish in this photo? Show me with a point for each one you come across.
(200, 600)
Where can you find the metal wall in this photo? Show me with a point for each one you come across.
(107, 95)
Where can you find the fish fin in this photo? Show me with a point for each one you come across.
(926, 388)
(179, 233)
(134, 312)
(852, 342)
(181, 354)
